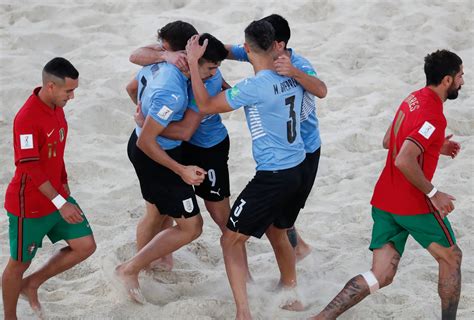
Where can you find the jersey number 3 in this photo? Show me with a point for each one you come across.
(291, 124)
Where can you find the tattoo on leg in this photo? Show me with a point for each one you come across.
(354, 291)
(449, 286)
(292, 237)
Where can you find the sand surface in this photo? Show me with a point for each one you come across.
(369, 53)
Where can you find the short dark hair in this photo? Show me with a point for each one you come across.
(61, 68)
(439, 64)
(215, 50)
(281, 27)
(177, 33)
(260, 35)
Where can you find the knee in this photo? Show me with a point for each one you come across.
(15, 268)
(385, 278)
(453, 259)
(195, 231)
(87, 248)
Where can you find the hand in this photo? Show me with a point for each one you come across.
(443, 202)
(138, 116)
(193, 175)
(450, 148)
(194, 50)
(178, 58)
(71, 213)
(284, 67)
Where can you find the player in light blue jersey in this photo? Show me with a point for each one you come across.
(272, 105)
(290, 64)
(164, 181)
(205, 143)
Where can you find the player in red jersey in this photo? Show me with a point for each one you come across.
(404, 200)
(38, 201)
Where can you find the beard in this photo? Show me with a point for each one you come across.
(453, 92)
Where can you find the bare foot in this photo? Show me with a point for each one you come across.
(130, 284)
(30, 293)
(163, 264)
(294, 305)
(302, 250)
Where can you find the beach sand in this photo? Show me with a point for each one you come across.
(369, 53)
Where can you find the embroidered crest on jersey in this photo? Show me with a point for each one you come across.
(188, 205)
(427, 130)
(164, 113)
(26, 141)
(61, 135)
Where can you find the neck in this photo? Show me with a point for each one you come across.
(44, 97)
(262, 62)
(442, 94)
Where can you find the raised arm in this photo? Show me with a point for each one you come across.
(206, 103)
(154, 53)
(309, 82)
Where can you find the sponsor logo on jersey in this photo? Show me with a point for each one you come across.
(188, 205)
(165, 113)
(26, 141)
(50, 133)
(427, 130)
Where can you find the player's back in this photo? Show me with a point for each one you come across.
(273, 110)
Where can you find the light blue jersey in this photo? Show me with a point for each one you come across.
(272, 106)
(211, 131)
(309, 121)
(162, 90)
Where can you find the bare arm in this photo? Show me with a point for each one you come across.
(154, 53)
(230, 56)
(184, 129)
(407, 162)
(132, 90)
(386, 138)
(143, 56)
(206, 103)
(192, 175)
(311, 84)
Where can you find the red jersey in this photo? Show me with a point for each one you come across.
(419, 119)
(39, 139)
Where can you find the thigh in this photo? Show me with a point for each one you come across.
(385, 262)
(386, 230)
(26, 235)
(429, 228)
(310, 168)
(63, 230)
(214, 160)
(259, 204)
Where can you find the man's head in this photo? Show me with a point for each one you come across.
(259, 38)
(444, 68)
(60, 79)
(174, 36)
(212, 57)
(282, 30)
